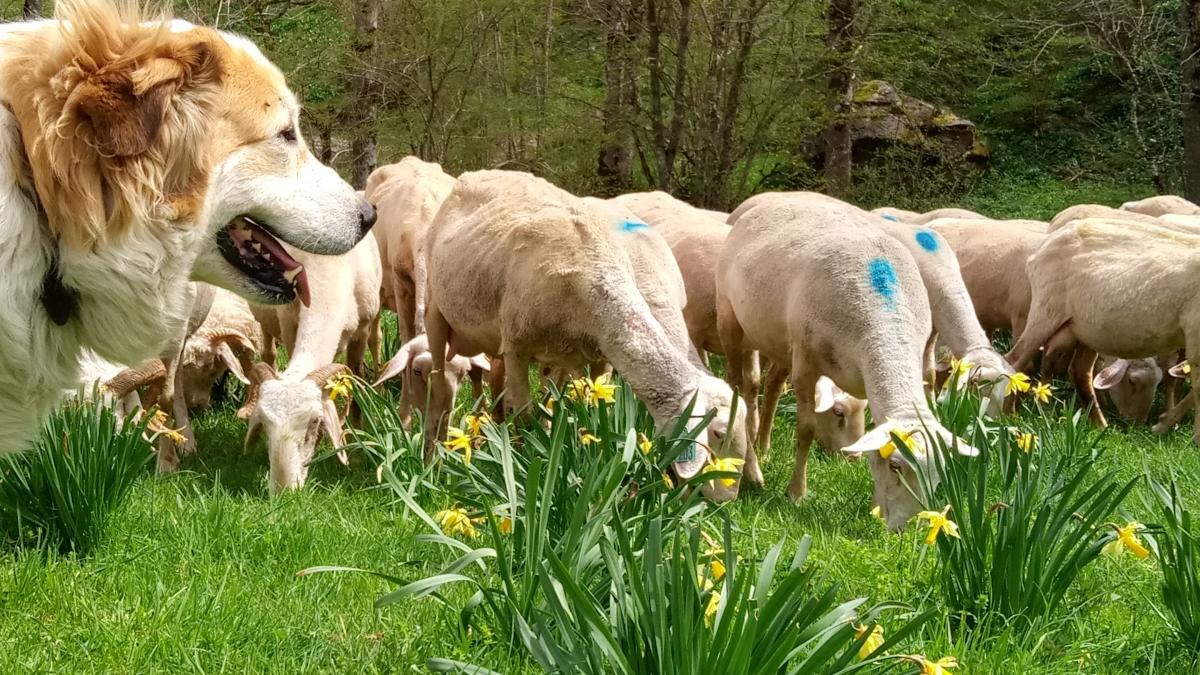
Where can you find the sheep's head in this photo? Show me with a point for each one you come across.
(207, 358)
(293, 414)
(896, 484)
(413, 363)
(840, 418)
(1131, 383)
(724, 438)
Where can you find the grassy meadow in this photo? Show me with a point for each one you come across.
(198, 573)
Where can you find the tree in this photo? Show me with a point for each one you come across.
(1190, 11)
(32, 9)
(614, 165)
(364, 97)
(667, 135)
(838, 143)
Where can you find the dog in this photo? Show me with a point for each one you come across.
(137, 154)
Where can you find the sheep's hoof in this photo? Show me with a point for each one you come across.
(168, 463)
(1160, 429)
(797, 494)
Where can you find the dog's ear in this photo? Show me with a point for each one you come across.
(126, 103)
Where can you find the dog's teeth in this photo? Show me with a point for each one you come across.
(291, 275)
(256, 246)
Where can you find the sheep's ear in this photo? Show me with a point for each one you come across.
(332, 423)
(396, 365)
(253, 432)
(481, 362)
(1110, 376)
(826, 394)
(1181, 370)
(225, 353)
(872, 440)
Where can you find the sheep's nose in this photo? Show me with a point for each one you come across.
(366, 216)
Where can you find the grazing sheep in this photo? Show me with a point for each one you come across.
(1162, 205)
(1131, 384)
(291, 407)
(118, 385)
(228, 341)
(819, 286)
(551, 282)
(413, 364)
(1114, 287)
(961, 214)
(406, 195)
(1083, 211)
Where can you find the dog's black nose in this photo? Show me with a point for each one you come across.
(366, 216)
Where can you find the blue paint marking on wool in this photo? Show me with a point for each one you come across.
(883, 280)
(927, 240)
(630, 225)
(888, 216)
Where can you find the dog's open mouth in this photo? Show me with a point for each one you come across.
(258, 255)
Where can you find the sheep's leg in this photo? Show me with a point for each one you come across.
(440, 404)
(804, 387)
(375, 341)
(406, 310)
(742, 367)
(516, 383)
(172, 391)
(356, 354)
(270, 352)
(496, 385)
(1174, 415)
(1193, 354)
(1081, 374)
(929, 364)
(1056, 357)
(777, 377)
(1039, 330)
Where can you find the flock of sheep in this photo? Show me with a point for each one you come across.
(495, 271)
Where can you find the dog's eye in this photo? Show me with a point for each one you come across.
(288, 134)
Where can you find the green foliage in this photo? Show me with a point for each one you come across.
(1029, 522)
(63, 492)
(1178, 547)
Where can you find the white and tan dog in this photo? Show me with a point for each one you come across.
(136, 155)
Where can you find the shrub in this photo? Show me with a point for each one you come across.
(62, 493)
(1178, 547)
(1030, 514)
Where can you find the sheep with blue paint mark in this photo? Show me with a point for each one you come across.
(812, 283)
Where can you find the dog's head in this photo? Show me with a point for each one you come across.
(180, 138)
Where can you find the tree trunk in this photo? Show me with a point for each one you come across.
(363, 102)
(838, 144)
(32, 9)
(1190, 99)
(614, 164)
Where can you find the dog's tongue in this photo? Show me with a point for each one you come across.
(292, 270)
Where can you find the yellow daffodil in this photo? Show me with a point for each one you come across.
(1041, 392)
(505, 525)
(959, 369)
(602, 389)
(667, 481)
(730, 464)
(877, 512)
(1024, 440)
(457, 439)
(587, 438)
(905, 436)
(158, 426)
(874, 640)
(577, 389)
(645, 444)
(475, 423)
(938, 522)
(1185, 367)
(718, 569)
(1017, 383)
(338, 387)
(456, 521)
(1127, 539)
(710, 610)
(942, 666)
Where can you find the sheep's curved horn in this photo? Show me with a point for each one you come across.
(259, 373)
(322, 374)
(125, 382)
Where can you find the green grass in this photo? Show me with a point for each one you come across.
(197, 573)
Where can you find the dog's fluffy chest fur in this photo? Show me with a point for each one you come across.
(130, 297)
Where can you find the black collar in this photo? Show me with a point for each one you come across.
(60, 300)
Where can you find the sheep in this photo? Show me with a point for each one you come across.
(227, 341)
(1116, 287)
(413, 363)
(291, 408)
(1162, 205)
(952, 310)
(117, 384)
(816, 284)
(936, 214)
(551, 282)
(1082, 211)
(1130, 384)
(406, 195)
(902, 215)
